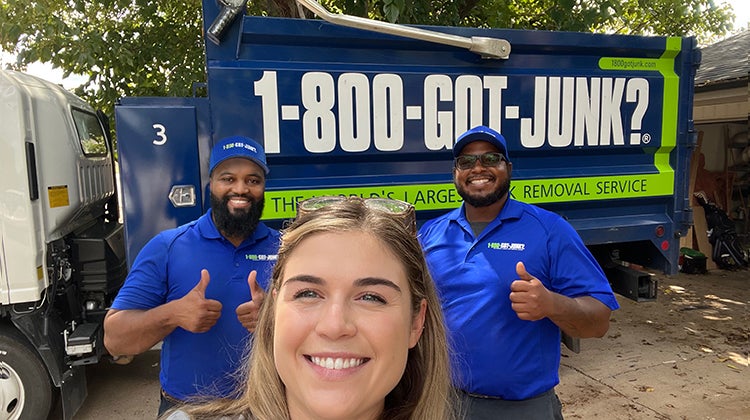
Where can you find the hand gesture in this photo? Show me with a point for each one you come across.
(528, 296)
(248, 312)
(198, 314)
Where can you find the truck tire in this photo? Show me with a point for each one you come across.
(25, 387)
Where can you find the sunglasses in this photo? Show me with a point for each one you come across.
(488, 160)
(401, 210)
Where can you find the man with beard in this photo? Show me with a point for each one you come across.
(511, 276)
(198, 287)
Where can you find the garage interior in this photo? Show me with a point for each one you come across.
(720, 168)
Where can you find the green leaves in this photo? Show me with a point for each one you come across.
(124, 47)
(392, 9)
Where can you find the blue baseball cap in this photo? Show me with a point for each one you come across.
(238, 147)
(481, 133)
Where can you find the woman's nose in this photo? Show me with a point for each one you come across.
(336, 321)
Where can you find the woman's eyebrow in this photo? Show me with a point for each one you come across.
(376, 281)
(304, 278)
(363, 282)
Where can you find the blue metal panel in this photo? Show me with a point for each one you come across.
(290, 82)
(599, 127)
(158, 148)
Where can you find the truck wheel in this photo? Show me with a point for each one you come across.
(25, 388)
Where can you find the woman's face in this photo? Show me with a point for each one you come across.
(344, 325)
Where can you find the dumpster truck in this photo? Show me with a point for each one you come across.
(599, 128)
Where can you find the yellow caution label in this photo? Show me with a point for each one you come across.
(58, 196)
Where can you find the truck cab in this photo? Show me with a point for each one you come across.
(62, 250)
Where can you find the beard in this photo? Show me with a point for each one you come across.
(239, 224)
(483, 200)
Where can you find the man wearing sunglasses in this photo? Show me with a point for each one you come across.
(511, 276)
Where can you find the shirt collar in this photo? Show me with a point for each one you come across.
(511, 210)
(209, 230)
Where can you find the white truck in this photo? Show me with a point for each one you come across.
(62, 251)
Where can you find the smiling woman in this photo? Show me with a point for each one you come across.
(352, 327)
(344, 330)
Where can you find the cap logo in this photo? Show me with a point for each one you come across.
(239, 144)
(237, 147)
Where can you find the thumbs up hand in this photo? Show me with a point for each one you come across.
(198, 314)
(528, 296)
(247, 313)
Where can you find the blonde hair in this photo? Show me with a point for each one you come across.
(424, 391)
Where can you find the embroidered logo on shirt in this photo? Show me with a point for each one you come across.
(261, 257)
(506, 246)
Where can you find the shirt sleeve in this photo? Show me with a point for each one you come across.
(146, 284)
(575, 271)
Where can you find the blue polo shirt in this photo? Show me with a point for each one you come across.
(495, 352)
(169, 267)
